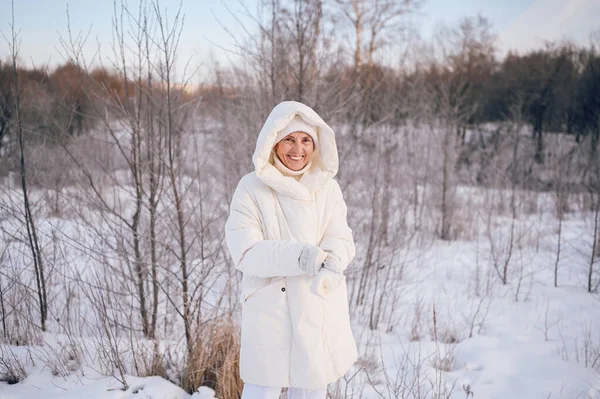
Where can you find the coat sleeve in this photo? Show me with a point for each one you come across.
(251, 253)
(337, 238)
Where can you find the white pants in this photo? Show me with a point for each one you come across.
(252, 391)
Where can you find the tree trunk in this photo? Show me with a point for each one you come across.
(36, 253)
(2, 309)
(595, 244)
(136, 172)
(447, 168)
(273, 68)
(539, 144)
(595, 139)
(3, 132)
(153, 154)
(358, 30)
(558, 250)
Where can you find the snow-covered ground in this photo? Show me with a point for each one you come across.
(496, 341)
(448, 328)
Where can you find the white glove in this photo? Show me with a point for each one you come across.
(326, 282)
(333, 263)
(311, 259)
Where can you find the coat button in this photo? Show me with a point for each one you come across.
(282, 289)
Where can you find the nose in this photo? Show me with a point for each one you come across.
(297, 146)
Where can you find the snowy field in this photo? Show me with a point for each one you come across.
(435, 320)
(526, 339)
(500, 341)
(470, 169)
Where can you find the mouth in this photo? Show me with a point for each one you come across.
(296, 158)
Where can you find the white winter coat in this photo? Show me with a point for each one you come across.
(290, 337)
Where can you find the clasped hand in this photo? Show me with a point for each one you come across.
(325, 267)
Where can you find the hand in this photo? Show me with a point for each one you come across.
(311, 259)
(325, 283)
(333, 263)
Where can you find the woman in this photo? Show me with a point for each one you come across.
(287, 233)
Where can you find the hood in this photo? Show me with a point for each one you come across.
(324, 161)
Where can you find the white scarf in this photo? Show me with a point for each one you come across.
(296, 174)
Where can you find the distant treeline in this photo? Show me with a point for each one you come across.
(554, 89)
(61, 103)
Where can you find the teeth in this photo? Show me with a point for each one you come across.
(296, 158)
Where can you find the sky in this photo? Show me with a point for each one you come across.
(521, 25)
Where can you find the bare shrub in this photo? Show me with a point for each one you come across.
(443, 359)
(446, 331)
(349, 386)
(62, 359)
(353, 383)
(585, 349)
(406, 375)
(110, 345)
(475, 319)
(588, 349)
(417, 322)
(12, 368)
(149, 360)
(18, 303)
(548, 324)
(405, 382)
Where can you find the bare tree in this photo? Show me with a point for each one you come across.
(376, 21)
(302, 23)
(5, 104)
(502, 245)
(593, 185)
(562, 176)
(463, 57)
(2, 290)
(470, 56)
(444, 126)
(32, 233)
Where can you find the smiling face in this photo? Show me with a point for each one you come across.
(295, 150)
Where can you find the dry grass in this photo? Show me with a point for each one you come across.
(416, 332)
(214, 359)
(443, 359)
(62, 359)
(12, 368)
(587, 349)
(149, 362)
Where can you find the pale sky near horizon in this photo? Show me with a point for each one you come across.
(521, 25)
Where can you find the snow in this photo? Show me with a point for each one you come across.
(526, 339)
(43, 385)
(527, 343)
(48, 380)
